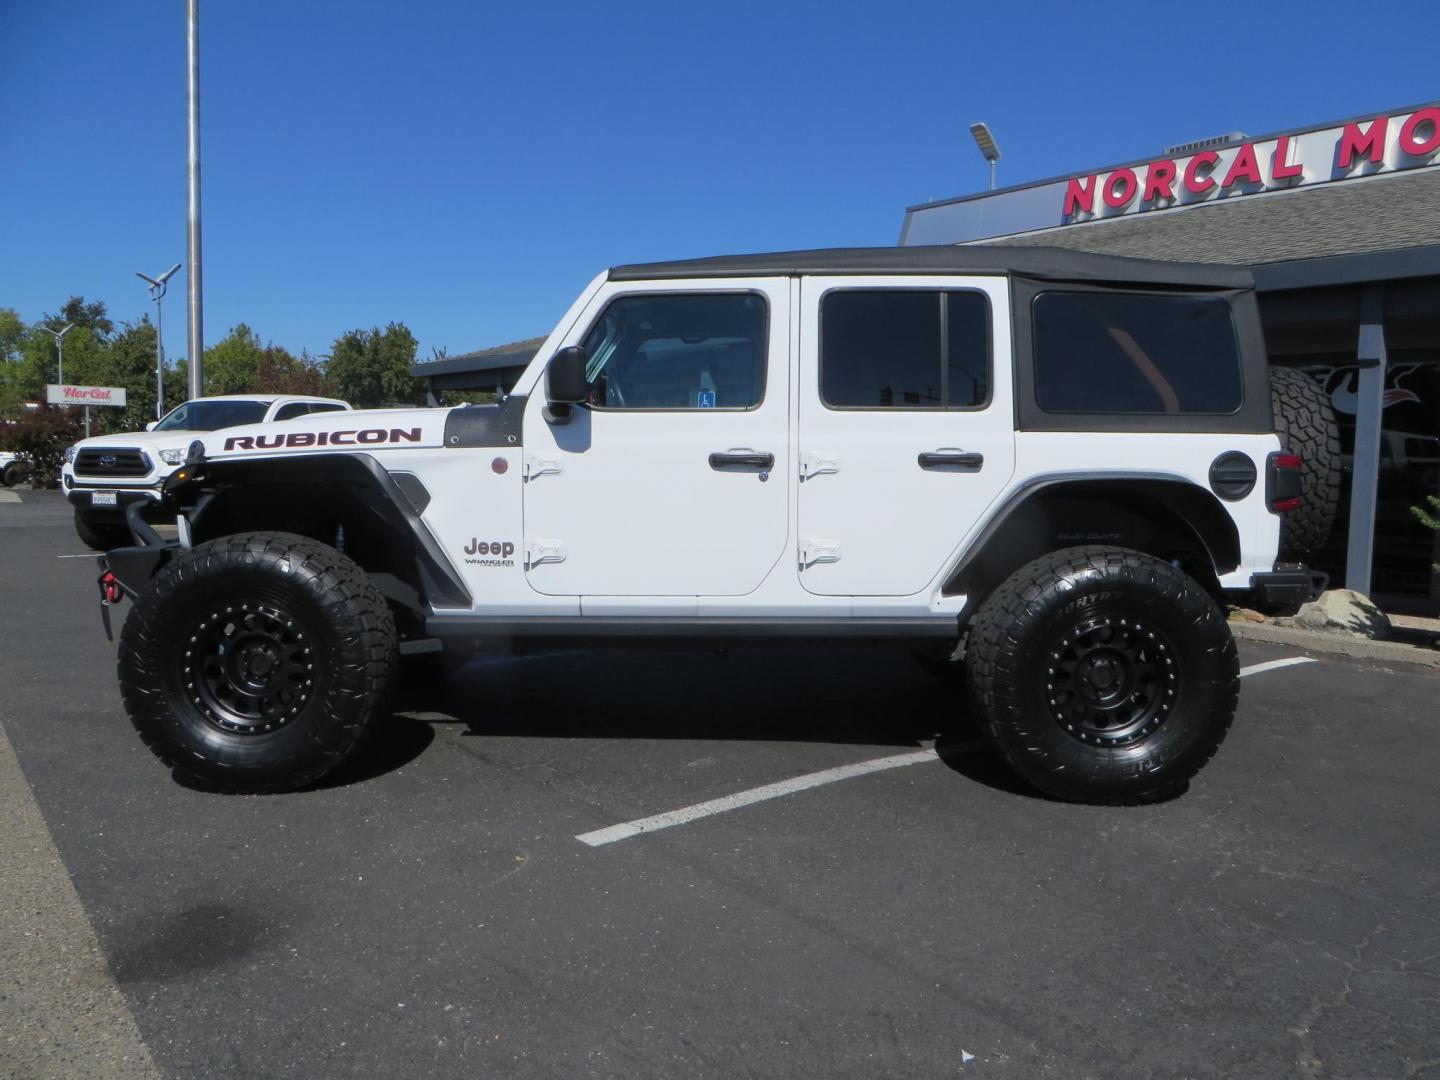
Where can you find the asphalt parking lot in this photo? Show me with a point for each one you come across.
(432, 912)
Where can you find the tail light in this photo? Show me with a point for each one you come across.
(1282, 482)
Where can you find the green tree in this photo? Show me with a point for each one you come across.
(372, 367)
(232, 365)
(130, 363)
(13, 332)
(91, 316)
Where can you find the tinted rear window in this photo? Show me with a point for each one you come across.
(904, 348)
(1101, 352)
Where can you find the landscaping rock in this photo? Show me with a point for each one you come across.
(1340, 611)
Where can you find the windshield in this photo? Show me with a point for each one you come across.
(212, 415)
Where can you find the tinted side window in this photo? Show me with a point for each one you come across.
(325, 406)
(1135, 353)
(292, 410)
(679, 351)
(904, 348)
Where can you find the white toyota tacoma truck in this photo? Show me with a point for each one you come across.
(1047, 470)
(104, 474)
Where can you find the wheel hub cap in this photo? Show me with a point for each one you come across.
(1111, 681)
(248, 668)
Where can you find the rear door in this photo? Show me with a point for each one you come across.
(906, 426)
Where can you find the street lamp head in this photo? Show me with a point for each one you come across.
(985, 141)
(56, 334)
(168, 274)
(148, 278)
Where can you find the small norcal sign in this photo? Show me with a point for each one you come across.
(67, 394)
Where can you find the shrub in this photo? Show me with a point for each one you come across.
(40, 439)
(1430, 520)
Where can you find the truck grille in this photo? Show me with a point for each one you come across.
(111, 462)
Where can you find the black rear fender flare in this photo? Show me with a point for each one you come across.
(1166, 516)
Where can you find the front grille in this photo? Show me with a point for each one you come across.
(112, 462)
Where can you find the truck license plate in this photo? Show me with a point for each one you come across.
(103, 498)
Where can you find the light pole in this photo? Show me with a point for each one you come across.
(196, 333)
(59, 336)
(988, 147)
(157, 293)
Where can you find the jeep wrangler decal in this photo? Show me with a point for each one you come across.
(493, 548)
(300, 439)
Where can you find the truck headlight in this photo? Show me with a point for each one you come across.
(173, 457)
(70, 452)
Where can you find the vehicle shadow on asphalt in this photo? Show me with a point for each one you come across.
(851, 696)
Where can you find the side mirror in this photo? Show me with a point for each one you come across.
(565, 383)
(151, 425)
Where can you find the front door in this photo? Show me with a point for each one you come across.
(673, 479)
(906, 429)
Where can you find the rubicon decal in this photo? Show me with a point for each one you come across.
(296, 440)
(499, 552)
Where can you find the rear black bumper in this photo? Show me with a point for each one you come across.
(1290, 587)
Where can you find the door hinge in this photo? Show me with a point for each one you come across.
(543, 551)
(817, 464)
(536, 466)
(813, 552)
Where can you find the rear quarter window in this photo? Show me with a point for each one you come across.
(1136, 353)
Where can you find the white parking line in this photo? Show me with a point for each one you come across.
(1271, 665)
(754, 795)
(686, 814)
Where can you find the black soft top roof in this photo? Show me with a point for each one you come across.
(1050, 264)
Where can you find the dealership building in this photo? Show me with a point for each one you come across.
(1340, 223)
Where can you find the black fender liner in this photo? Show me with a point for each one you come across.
(1140, 510)
(355, 486)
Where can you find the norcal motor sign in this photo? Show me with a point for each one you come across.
(67, 394)
(1386, 143)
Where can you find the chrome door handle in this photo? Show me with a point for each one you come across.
(936, 459)
(741, 458)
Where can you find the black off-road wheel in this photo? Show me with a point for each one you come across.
(101, 535)
(257, 662)
(1103, 675)
(1305, 422)
(14, 472)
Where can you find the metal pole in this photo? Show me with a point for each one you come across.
(60, 363)
(992, 174)
(159, 358)
(192, 275)
(1365, 473)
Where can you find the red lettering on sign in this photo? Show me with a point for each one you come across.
(1371, 142)
(1280, 167)
(1080, 196)
(1120, 188)
(1159, 181)
(1244, 167)
(1194, 182)
(1412, 141)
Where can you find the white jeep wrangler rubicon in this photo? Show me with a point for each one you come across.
(1049, 468)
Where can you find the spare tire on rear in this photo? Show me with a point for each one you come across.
(1306, 425)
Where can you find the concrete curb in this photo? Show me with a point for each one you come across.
(1338, 644)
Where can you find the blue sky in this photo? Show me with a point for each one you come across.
(466, 167)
